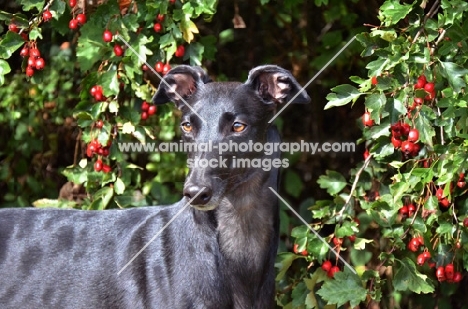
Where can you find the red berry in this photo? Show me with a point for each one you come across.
(449, 271)
(93, 90)
(405, 128)
(426, 255)
(160, 17)
(407, 147)
(366, 154)
(327, 265)
(413, 135)
(414, 244)
(106, 168)
(411, 209)
(416, 150)
(105, 152)
(98, 165)
(166, 68)
(331, 273)
(420, 82)
(404, 210)
(367, 120)
(352, 238)
(72, 3)
(144, 115)
(457, 277)
(440, 193)
(31, 61)
(144, 106)
(107, 36)
(152, 110)
(461, 184)
(40, 63)
(374, 80)
(35, 53)
(337, 241)
(440, 273)
(24, 52)
(465, 222)
(47, 15)
(13, 28)
(418, 101)
(99, 97)
(118, 51)
(144, 67)
(429, 87)
(81, 18)
(180, 52)
(172, 1)
(444, 202)
(157, 27)
(159, 66)
(29, 71)
(90, 150)
(420, 260)
(99, 124)
(396, 142)
(73, 24)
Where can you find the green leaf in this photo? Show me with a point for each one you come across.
(345, 287)
(293, 183)
(391, 12)
(10, 43)
(407, 277)
(360, 243)
(188, 28)
(30, 4)
(333, 182)
(454, 74)
(4, 69)
(283, 262)
(119, 186)
(342, 95)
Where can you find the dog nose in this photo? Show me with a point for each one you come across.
(200, 198)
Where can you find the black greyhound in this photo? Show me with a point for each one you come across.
(219, 253)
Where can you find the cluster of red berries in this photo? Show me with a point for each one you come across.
(330, 269)
(157, 25)
(162, 68)
(94, 147)
(96, 92)
(35, 61)
(147, 110)
(443, 200)
(461, 183)
(407, 210)
(405, 138)
(107, 37)
(77, 21)
(415, 243)
(448, 273)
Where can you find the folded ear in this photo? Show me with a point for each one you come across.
(276, 85)
(180, 84)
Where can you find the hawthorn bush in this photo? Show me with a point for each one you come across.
(89, 57)
(401, 219)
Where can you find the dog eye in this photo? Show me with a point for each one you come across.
(238, 127)
(186, 126)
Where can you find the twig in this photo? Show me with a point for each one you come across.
(430, 14)
(353, 188)
(35, 19)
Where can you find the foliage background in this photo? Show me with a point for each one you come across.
(44, 129)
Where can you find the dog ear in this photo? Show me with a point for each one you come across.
(276, 85)
(180, 84)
